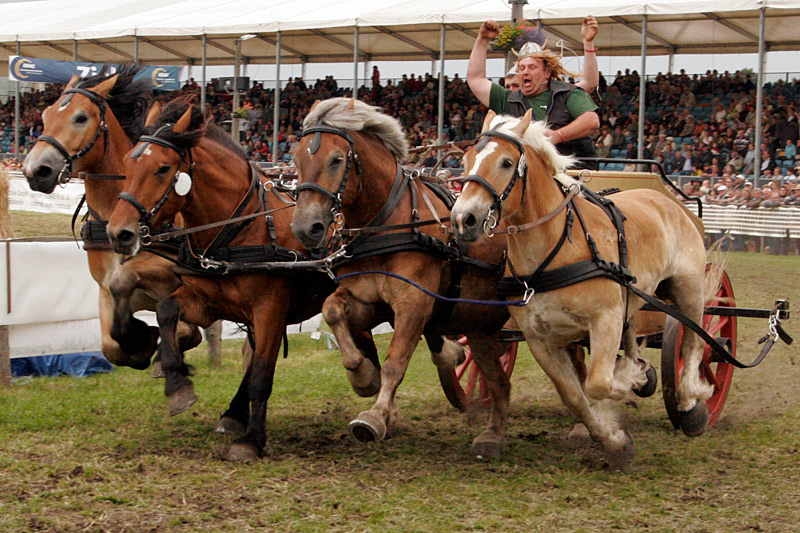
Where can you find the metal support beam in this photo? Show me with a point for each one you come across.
(759, 96)
(332, 39)
(222, 47)
(203, 74)
(235, 104)
(670, 46)
(17, 153)
(276, 115)
(273, 42)
(75, 50)
(642, 86)
(67, 52)
(462, 29)
(406, 40)
(567, 39)
(440, 120)
(355, 63)
(730, 25)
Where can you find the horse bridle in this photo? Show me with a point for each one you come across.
(102, 127)
(352, 160)
(491, 218)
(145, 141)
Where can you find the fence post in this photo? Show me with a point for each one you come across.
(5, 358)
(214, 339)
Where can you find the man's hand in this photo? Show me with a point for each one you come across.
(588, 28)
(489, 30)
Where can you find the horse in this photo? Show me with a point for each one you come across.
(188, 166)
(89, 129)
(665, 256)
(350, 176)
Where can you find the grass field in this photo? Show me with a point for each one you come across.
(101, 454)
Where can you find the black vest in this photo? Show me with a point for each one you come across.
(557, 117)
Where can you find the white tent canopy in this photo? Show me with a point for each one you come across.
(170, 31)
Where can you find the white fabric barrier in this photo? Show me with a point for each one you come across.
(63, 200)
(758, 222)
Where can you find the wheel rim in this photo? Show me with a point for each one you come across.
(716, 372)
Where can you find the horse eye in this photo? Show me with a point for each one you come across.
(507, 163)
(81, 119)
(337, 160)
(162, 169)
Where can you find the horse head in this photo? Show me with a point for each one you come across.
(333, 159)
(79, 126)
(509, 153)
(158, 176)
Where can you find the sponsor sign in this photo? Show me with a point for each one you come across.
(31, 69)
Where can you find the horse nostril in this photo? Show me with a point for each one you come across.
(43, 171)
(317, 229)
(470, 221)
(126, 238)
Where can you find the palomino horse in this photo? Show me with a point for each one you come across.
(89, 129)
(665, 256)
(194, 168)
(349, 174)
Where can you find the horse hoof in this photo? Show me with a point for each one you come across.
(230, 426)
(620, 459)
(158, 370)
(242, 452)
(649, 388)
(367, 428)
(695, 421)
(181, 400)
(487, 446)
(579, 432)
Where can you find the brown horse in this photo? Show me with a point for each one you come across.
(89, 129)
(665, 255)
(349, 173)
(194, 168)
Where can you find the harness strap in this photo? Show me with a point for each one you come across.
(511, 230)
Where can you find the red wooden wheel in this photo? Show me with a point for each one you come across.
(464, 385)
(719, 373)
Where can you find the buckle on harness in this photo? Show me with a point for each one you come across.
(529, 292)
(490, 223)
(144, 235)
(210, 264)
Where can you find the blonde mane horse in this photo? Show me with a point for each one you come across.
(665, 254)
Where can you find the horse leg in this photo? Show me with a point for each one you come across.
(692, 390)
(600, 422)
(486, 352)
(137, 339)
(445, 352)
(373, 425)
(178, 387)
(349, 320)
(234, 420)
(604, 336)
(268, 333)
(632, 372)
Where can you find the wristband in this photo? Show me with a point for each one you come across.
(591, 51)
(561, 135)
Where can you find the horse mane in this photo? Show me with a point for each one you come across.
(335, 112)
(198, 128)
(535, 138)
(129, 100)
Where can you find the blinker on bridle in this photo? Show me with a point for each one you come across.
(144, 143)
(498, 199)
(352, 159)
(102, 127)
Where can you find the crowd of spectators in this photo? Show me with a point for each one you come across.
(696, 125)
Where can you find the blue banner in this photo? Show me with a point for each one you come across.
(52, 71)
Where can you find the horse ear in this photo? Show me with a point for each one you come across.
(183, 122)
(104, 87)
(315, 104)
(152, 114)
(523, 124)
(488, 120)
(351, 105)
(72, 81)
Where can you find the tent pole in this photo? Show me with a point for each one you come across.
(203, 75)
(235, 102)
(135, 48)
(759, 98)
(17, 151)
(671, 64)
(440, 121)
(642, 86)
(276, 114)
(355, 63)
(75, 50)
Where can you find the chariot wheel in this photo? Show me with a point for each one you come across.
(464, 385)
(716, 372)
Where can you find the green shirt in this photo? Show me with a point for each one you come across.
(578, 102)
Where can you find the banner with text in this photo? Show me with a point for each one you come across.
(31, 69)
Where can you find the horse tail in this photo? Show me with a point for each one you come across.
(717, 260)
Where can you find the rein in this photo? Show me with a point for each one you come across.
(66, 171)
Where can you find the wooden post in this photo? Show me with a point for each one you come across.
(5, 358)
(214, 338)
